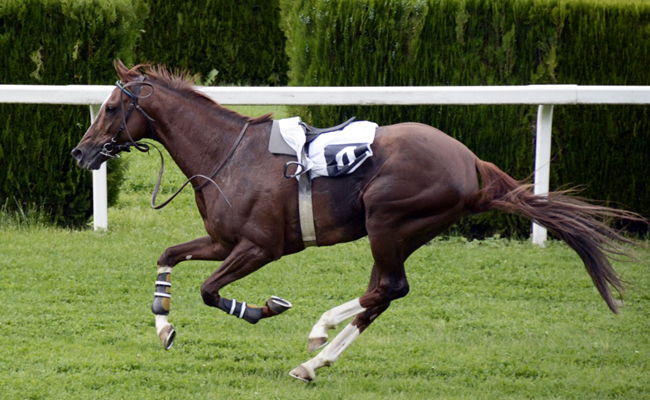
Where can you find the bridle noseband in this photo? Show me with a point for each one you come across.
(112, 148)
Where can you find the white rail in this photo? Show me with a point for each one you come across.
(359, 95)
(545, 96)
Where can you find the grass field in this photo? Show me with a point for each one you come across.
(496, 319)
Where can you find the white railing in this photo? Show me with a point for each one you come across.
(545, 96)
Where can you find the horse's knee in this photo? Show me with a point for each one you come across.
(394, 290)
(173, 255)
(384, 293)
(209, 296)
(401, 289)
(167, 259)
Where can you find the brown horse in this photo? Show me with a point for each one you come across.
(418, 182)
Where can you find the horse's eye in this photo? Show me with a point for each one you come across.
(110, 109)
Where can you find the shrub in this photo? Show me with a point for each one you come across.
(492, 42)
(241, 40)
(53, 42)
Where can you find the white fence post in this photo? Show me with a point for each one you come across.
(100, 189)
(542, 162)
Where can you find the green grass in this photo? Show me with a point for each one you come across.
(496, 319)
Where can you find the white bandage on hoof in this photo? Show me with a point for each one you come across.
(161, 306)
(330, 320)
(307, 370)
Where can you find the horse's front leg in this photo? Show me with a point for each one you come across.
(245, 259)
(199, 249)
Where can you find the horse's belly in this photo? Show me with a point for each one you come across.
(339, 215)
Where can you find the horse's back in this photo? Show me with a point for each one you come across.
(416, 170)
(425, 157)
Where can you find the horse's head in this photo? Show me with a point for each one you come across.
(120, 123)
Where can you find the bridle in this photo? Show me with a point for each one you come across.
(112, 148)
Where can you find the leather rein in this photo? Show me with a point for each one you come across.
(112, 148)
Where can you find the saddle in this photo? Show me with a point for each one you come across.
(334, 155)
(312, 133)
(340, 150)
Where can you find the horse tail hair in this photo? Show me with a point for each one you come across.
(582, 225)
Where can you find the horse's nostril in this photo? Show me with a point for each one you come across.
(77, 154)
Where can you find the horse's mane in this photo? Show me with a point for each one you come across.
(182, 81)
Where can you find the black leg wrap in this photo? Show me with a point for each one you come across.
(162, 300)
(233, 307)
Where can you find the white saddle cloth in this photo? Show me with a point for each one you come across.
(333, 153)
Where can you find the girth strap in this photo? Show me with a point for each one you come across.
(306, 211)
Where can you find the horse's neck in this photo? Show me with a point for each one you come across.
(198, 139)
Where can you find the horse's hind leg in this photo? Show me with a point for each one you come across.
(332, 318)
(388, 282)
(200, 249)
(307, 371)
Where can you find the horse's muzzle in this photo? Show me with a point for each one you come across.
(86, 160)
(77, 154)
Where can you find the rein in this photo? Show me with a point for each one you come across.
(208, 179)
(223, 163)
(111, 149)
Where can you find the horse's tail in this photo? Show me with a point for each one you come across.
(580, 224)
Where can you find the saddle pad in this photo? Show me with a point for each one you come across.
(330, 154)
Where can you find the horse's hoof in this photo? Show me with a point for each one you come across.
(167, 336)
(303, 374)
(316, 343)
(278, 305)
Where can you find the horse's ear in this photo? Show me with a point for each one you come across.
(125, 74)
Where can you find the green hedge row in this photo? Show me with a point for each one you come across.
(240, 39)
(492, 42)
(74, 42)
(49, 42)
(341, 42)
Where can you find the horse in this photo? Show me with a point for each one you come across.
(418, 182)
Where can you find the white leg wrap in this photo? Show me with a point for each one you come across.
(333, 350)
(161, 322)
(164, 270)
(332, 318)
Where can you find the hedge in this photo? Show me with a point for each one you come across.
(239, 39)
(341, 42)
(49, 42)
(492, 42)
